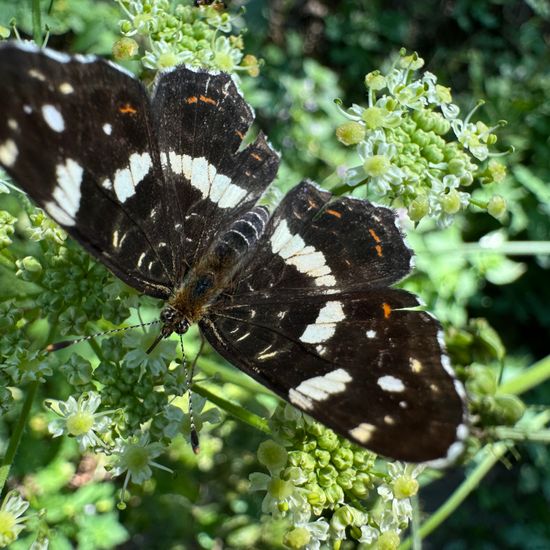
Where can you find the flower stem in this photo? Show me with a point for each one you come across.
(514, 248)
(232, 408)
(36, 22)
(15, 438)
(531, 377)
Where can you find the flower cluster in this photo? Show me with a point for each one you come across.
(324, 486)
(177, 33)
(414, 148)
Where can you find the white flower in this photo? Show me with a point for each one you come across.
(369, 534)
(80, 420)
(283, 498)
(11, 518)
(377, 168)
(400, 486)
(135, 457)
(412, 95)
(318, 531)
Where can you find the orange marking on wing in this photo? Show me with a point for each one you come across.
(240, 134)
(387, 309)
(255, 156)
(334, 213)
(192, 99)
(127, 109)
(374, 235)
(378, 250)
(205, 99)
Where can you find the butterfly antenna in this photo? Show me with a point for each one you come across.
(194, 436)
(66, 343)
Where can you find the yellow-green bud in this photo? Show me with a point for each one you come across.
(342, 458)
(375, 81)
(323, 457)
(496, 170)
(346, 478)
(334, 494)
(297, 538)
(350, 133)
(4, 32)
(387, 541)
(456, 166)
(28, 268)
(418, 208)
(328, 441)
(126, 26)
(451, 202)
(496, 206)
(272, 455)
(404, 487)
(316, 496)
(252, 65)
(327, 476)
(125, 48)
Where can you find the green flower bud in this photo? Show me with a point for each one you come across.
(483, 381)
(496, 206)
(272, 455)
(418, 208)
(315, 429)
(450, 202)
(327, 476)
(361, 484)
(328, 441)
(297, 538)
(432, 153)
(342, 458)
(29, 268)
(375, 81)
(387, 541)
(323, 457)
(316, 496)
(346, 478)
(334, 494)
(350, 133)
(126, 26)
(343, 517)
(509, 409)
(456, 166)
(412, 62)
(4, 32)
(420, 137)
(125, 48)
(301, 460)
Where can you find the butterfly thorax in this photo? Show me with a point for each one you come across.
(214, 272)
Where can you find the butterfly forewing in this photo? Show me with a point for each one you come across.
(75, 133)
(201, 121)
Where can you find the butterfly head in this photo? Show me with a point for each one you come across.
(173, 321)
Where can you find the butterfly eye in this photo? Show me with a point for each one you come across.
(181, 326)
(168, 315)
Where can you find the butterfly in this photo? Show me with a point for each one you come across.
(160, 188)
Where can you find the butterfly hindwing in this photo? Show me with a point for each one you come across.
(313, 318)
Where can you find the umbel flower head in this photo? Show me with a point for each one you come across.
(177, 33)
(415, 150)
(327, 489)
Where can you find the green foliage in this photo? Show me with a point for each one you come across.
(110, 396)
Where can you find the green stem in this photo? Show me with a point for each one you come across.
(493, 453)
(36, 22)
(531, 377)
(516, 434)
(232, 408)
(15, 438)
(231, 375)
